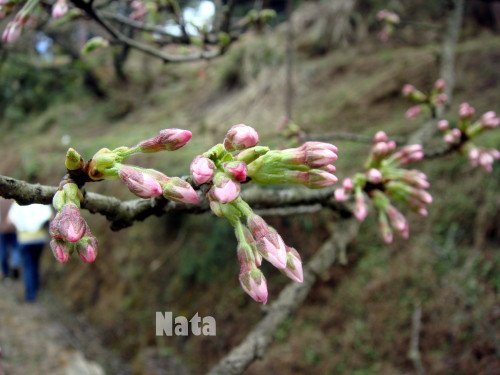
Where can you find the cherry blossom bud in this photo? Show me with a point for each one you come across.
(140, 183)
(360, 208)
(490, 120)
(413, 112)
(68, 225)
(330, 168)
(202, 170)
(61, 250)
(240, 137)
(225, 189)
(178, 190)
(466, 111)
(293, 265)
(87, 248)
(440, 84)
(254, 284)
(167, 139)
(347, 184)
(319, 154)
(380, 136)
(441, 99)
(12, 32)
(267, 242)
(59, 9)
(374, 176)
(385, 229)
(397, 219)
(443, 125)
(237, 170)
(340, 195)
(408, 90)
(318, 179)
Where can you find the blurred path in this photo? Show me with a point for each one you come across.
(43, 338)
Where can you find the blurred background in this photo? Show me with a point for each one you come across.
(358, 319)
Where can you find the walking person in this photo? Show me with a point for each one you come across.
(10, 258)
(30, 222)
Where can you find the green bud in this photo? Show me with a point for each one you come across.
(73, 160)
(93, 44)
(251, 154)
(73, 194)
(59, 200)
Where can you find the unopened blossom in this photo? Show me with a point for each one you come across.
(413, 112)
(490, 120)
(202, 169)
(12, 32)
(443, 125)
(267, 241)
(340, 195)
(360, 207)
(254, 283)
(409, 154)
(483, 158)
(347, 184)
(140, 183)
(374, 176)
(385, 228)
(316, 178)
(68, 225)
(318, 154)
(380, 136)
(466, 111)
(240, 137)
(293, 265)
(61, 250)
(408, 90)
(178, 190)
(440, 84)
(397, 219)
(237, 170)
(225, 189)
(87, 248)
(453, 136)
(59, 9)
(167, 139)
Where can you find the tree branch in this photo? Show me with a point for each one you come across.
(290, 299)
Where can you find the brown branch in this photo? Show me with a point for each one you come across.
(290, 299)
(123, 214)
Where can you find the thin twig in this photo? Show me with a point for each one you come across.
(414, 351)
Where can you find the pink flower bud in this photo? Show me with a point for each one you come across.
(202, 170)
(12, 32)
(268, 243)
(408, 90)
(360, 208)
(441, 99)
(380, 149)
(178, 190)
(318, 178)
(443, 125)
(167, 139)
(293, 265)
(380, 136)
(490, 120)
(397, 219)
(59, 9)
(319, 154)
(449, 138)
(374, 176)
(87, 248)
(240, 137)
(140, 183)
(440, 84)
(340, 195)
(225, 189)
(254, 284)
(237, 170)
(385, 229)
(347, 184)
(330, 168)
(68, 225)
(413, 112)
(466, 111)
(60, 250)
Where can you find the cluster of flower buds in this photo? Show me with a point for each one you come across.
(237, 160)
(68, 230)
(14, 28)
(460, 136)
(145, 183)
(436, 98)
(389, 20)
(386, 179)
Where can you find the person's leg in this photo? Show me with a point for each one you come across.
(28, 273)
(4, 255)
(37, 252)
(15, 255)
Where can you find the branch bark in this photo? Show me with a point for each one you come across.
(290, 299)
